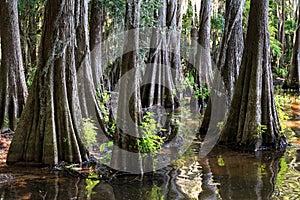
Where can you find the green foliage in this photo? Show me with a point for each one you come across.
(187, 21)
(261, 170)
(199, 92)
(89, 131)
(91, 183)
(104, 100)
(280, 103)
(65, 139)
(260, 130)
(32, 7)
(218, 22)
(220, 125)
(115, 10)
(105, 151)
(30, 20)
(283, 169)
(246, 12)
(6, 122)
(275, 45)
(149, 142)
(281, 72)
(30, 76)
(178, 163)
(290, 26)
(221, 161)
(156, 193)
(148, 9)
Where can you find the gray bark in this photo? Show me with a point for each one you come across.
(232, 46)
(85, 74)
(253, 103)
(203, 57)
(13, 90)
(129, 104)
(230, 59)
(293, 79)
(95, 42)
(158, 81)
(50, 126)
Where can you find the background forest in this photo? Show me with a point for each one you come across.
(103, 89)
(62, 54)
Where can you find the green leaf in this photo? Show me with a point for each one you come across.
(221, 162)
(102, 147)
(109, 144)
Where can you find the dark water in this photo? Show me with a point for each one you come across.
(223, 174)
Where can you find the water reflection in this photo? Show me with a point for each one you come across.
(223, 174)
(243, 176)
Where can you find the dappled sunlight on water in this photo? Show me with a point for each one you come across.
(222, 174)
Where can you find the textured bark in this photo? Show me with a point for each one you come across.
(85, 74)
(293, 79)
(50, 130)
(158, 81)
(174, 23)
(129, 104)
(253, 103)
(13, 90)
(203, 57)
(230, 59)
(232, 46)
(95, 42)
(129, 95)
(203, 65)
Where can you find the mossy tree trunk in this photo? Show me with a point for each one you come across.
(50, 129)
(13, 90)
(252, 106)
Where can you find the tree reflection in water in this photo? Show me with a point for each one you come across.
(223, 174)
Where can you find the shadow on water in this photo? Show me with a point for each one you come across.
(223, 174)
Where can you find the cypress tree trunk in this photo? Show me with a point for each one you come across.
(174, 24)
(252, 105)
(158, 81)
(86, 76)
(293, 79)
(203, 74)
(50, 130)
(232, 46)
(95, 42)
(203, 57)
(125, 156)
(230, 59)
(13, 90)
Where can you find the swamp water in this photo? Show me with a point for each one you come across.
(222, 174)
